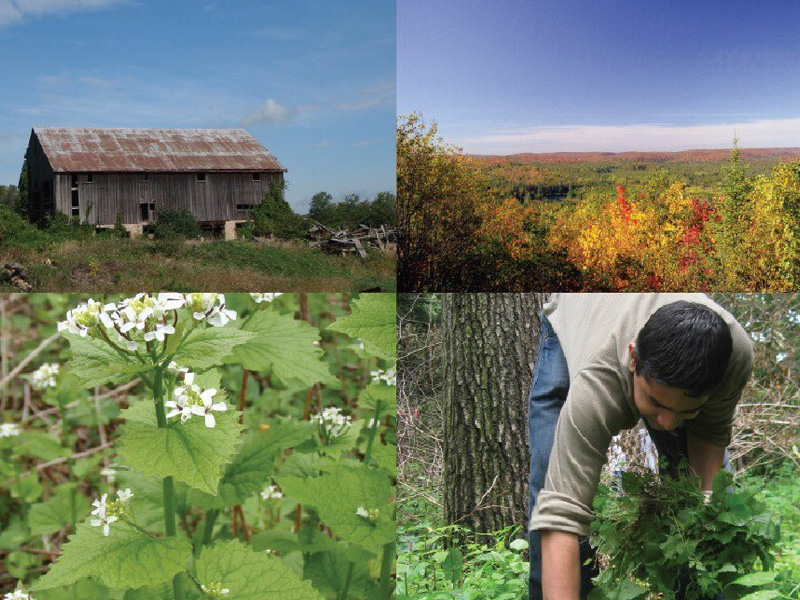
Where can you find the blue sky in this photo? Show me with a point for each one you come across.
(611, 75)
(312, 80)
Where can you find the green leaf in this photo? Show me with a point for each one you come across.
(285, 347)
(518, 544)
(51, 516)
(252, 467)
(204, 348)
(762, 595)
(373, 319)
(250, 575)
(126, 558)
(755, 579)
(189, 452)
(96, 363)
(629, 590)
(338, 494)
(375, 394)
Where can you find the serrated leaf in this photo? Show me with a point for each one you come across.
(629, 590)
(374, 319)
(756, 579)
(762, 595)
(285, 347)
(189, 452)
(126, 558)
(250, 470)
(329, 571)
(96, 363)
(207, 347)
(250, 575)
(338, 494)
(51, 516)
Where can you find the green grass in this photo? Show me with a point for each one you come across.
(101, 263)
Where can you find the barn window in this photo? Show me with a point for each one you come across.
(145, 176)
(75, 202)
(244, 207)
(201, 177)
(89, 178)
(74, 182)
(256, 176)
(76, 212)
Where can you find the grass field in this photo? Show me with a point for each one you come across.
(106, 264)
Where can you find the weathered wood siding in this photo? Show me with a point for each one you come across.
(214, 199)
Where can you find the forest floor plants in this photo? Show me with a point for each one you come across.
(207, 501)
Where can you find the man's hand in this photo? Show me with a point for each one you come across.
(561, 569)
(705, 459)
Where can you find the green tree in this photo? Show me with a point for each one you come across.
(21, 206)
(275, 217)
(320, 208)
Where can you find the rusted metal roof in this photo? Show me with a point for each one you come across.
(156, 150)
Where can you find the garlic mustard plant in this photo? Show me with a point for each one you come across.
(45, 376)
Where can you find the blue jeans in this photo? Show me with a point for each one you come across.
(548, 394)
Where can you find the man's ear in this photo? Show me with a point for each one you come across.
(632, 352)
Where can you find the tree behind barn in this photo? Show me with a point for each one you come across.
(489, 351)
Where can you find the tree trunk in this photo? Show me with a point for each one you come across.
(490, 344)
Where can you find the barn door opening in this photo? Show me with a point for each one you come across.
(147, 211)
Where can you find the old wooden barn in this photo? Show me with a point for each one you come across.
(96, 174)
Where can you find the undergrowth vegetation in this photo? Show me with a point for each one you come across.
(178, 447)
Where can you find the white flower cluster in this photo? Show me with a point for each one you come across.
(372, 515)
(9, 430)
(617, 459)
(107, 513)
(332, 422)
(144, 317)
(210, 308)
(390, 377)
(44, 376)
(191, 399)
(271, 492)
(18, 595)
(110, 474)
(215, 590)
(259, 298)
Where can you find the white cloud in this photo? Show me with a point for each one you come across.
(646, 137)
(13, 11)
(271, 112)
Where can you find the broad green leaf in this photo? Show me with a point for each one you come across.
(373, 319)
(96, 363)
(40, 445)
(756, 579)
(345, 442)
(51, 516)
(252, 467)
(85, 588)
(629, 590)
(286, 541)
(518, 544)
(126, 558)
(337, 496)
(189, 452)
(378, 395)
(250, 575)
(285, 347)
(386, 455)
(328, 572)
(207, 347)
(762, 595)
(15, 534)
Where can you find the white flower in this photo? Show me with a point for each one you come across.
(271, 492)
(362, 512)
(18, 595)
(125, 495)
(109, 474)
(205, 409)
(105, 521)
(84, 317)
(371, 424)
(100, 506)
(211, 308)
(174, 368)
(170, 301)
(332, 421)
(159, 332)
(258, 298)
(215, 590)
(372, 515)
(390, 377)
(44, 376)
(9, 430)
(190, 400)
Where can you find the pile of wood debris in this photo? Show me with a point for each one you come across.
(14, 273)
(342, 241)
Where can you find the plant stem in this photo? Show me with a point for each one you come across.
(346, 588)
(169, 488)
(387, 564)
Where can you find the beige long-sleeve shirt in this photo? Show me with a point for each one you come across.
(595, 331)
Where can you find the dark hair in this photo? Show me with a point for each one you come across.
(684, 345)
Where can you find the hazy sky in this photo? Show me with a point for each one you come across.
(604, 75)
(313, 81)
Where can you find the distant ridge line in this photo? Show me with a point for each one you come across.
(715, 154)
